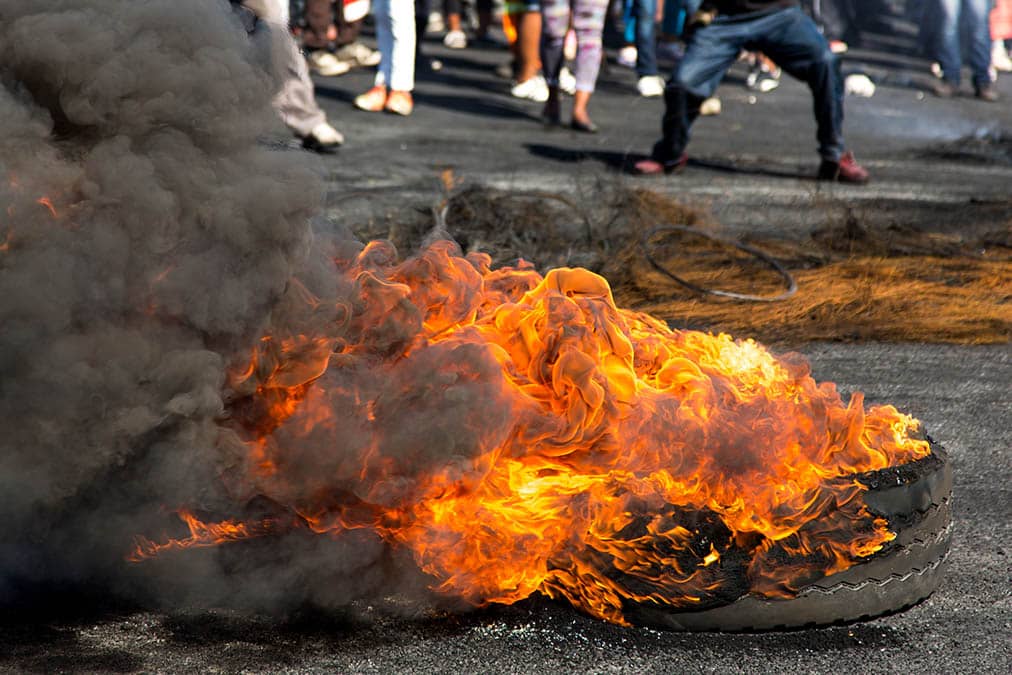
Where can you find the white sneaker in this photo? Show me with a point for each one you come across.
(858, 84)
(326, 64)
(435, 23)
(455, 39)
(710, 106)
(627, 56)
(323, 139)
(650, 86)
(327, 134)
(535, 89)
(567, 81)
(1000, 57)
(358, 54)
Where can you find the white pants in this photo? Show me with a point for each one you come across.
(395, 34)
(296, 101)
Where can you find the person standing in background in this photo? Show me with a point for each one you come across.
(641, 30)
(951, 15)
(395, 76)
(296, 101)
(720, 30)
(587, 18)
(522, 24)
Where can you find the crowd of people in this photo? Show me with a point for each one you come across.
(556, 48)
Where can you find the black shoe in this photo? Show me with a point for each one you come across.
(587, 127)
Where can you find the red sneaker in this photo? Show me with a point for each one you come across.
(847, 170)
(651, 167)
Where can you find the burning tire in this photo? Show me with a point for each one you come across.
(915, 499)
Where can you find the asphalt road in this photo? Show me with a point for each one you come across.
(960, 393)
(753, 167)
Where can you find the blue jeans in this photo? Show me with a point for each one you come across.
(975, 15)
(641, 13)
(788, 37)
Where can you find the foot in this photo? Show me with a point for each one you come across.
(357, 54)
(986, 93)
(533, 89)
(373, 100)
(399, 103)
(650, 86)
(944, 89)
(627, 56)
(455, 39)
(327, 64)
(651, 167)
(585, 125)
(846, 170)
(323, 139)
(761, 80)
(567, 81)
(710, 106)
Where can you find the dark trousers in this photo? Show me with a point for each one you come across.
(788, 37)
(973, 14)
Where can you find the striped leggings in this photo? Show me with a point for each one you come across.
(588, 22)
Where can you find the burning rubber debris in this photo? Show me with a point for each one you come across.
(175, 337)
(519, 434)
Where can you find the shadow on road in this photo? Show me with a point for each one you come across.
(623, 162)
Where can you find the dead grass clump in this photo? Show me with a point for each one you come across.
(855, 282)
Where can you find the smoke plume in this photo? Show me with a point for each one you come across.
(145, 238)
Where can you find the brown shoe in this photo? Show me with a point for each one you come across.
(944, 89)
(986, 93)
(846, 170)
(373, 100)
(399, 102)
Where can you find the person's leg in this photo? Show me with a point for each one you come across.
(528, 43)
(794, 43)
(588, 23)
(710, 52)
(555, 16)
(484, 11)
(976, 14)
(646, 47)
(402, 53)
(296, 101)
(422, 10)
(451, 8)
(947, 50)
(384, 40)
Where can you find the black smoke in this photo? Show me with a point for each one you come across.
(172, 236)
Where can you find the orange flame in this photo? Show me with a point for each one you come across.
(522, 434)
(48, 203)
